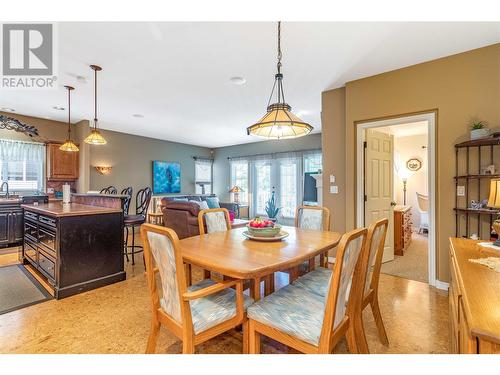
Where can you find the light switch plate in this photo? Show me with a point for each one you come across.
(332, 178)
(461, 191)
(334, 189)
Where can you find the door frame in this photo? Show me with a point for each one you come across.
(430, 117)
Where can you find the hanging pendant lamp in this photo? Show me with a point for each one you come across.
(279, 122)
(69, 145)
(95, 137)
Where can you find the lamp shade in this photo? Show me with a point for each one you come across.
(69, 146)
(494, 199)
(95, 138)
(279, 123)
(236, 189)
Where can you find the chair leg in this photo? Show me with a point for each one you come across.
(293, 274)
(351, 339)
(359, 331)
(382, 334)
(126, 243)
(188, 346)
(253, 339)
(187, 268)
(322, 260)
(245, 328)
(133, 245)
(153, 336)
(206, 274)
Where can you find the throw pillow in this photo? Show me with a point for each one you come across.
(180, 199)
(213, 202)
(203, 205)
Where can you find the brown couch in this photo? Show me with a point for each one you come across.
(181, 216)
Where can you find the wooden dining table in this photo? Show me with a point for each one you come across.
(231, 254)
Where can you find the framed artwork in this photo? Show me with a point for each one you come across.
(414, 165)
(166, 177)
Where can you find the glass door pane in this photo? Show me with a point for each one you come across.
(288, 188)
(262, 186)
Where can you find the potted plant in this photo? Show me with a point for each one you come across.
(479, 130)
(271, 210)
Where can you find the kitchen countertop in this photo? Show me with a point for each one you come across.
(58, 209)
(99, 195)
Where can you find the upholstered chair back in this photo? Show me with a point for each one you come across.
(214, 220)
(343, 280)
(312, 217)
(160, 249)
(375, 243)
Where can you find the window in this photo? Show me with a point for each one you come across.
(203, 175)
(288, 188)
(239, 177)
(22, 165)
(313, 162)
(262, 186)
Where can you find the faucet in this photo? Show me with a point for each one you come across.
(5, 183)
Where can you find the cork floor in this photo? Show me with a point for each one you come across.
(116, 318)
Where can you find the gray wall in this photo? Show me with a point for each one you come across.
(221, 165)
(131, 158)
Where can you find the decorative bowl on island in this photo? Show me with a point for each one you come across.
(259, 227)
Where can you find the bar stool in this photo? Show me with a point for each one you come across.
(108, 190)
(128, 192)
(142, 200)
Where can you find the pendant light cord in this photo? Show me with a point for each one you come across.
(69, 114)
(279, 47)
(95, 99)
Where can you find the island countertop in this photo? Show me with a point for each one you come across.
(58, 209)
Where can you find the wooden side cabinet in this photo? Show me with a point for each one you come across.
(402, 229)
(61, 165)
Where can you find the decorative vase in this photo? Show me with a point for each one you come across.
(273, 219)
(479, 133)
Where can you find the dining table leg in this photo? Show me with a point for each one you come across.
(255, 289)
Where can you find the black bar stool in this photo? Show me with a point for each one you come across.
(126, 205)
(142, 200)
(108, 190)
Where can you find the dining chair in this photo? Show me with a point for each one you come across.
(314, 218)
(126, 205)
(108, 190)
(375, 242)
(196, 313)
(297, 316)
(423, 209)
(130, 222)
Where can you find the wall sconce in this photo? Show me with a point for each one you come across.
(103, 170)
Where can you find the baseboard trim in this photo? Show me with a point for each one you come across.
(441, 285)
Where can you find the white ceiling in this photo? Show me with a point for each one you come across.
(177, 74)
(406, 130)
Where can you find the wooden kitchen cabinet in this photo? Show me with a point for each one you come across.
(61, 165)
(473, 301)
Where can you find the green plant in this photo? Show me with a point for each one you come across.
(271, 209)
(477, 125)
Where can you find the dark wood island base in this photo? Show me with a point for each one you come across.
(75, 247)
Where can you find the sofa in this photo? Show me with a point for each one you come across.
(182, 215)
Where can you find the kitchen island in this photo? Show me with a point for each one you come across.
(76, 247)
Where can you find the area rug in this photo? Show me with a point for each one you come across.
(414, 264)
(18, 289)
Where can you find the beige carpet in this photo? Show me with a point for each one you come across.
(413, 265)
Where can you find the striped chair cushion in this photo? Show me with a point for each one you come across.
(293, 310)
(214, 309)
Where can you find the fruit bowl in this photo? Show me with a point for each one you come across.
(263, 228)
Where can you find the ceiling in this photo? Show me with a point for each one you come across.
(176, 74)
(406, 130)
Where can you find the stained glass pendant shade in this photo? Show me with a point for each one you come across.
(69, 145)
(279, 122)
(95, 137)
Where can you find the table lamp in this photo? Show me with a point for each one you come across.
(236, 190)
(494, 202)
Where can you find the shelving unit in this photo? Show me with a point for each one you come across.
(472, 179)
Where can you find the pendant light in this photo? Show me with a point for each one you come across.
(279, 122)
(95, 137)
(69, 145)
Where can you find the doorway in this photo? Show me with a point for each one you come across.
(396, 179)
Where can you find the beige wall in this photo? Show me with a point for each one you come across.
(459, 87)
(49, 130)
(131, 158)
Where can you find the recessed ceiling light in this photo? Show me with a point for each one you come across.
(81, 79)
(237, 80)
(138, 115)
(58, 108)
(7, 109)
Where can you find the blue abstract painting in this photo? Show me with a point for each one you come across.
(166, 177)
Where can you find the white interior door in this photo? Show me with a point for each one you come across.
(379, 184)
